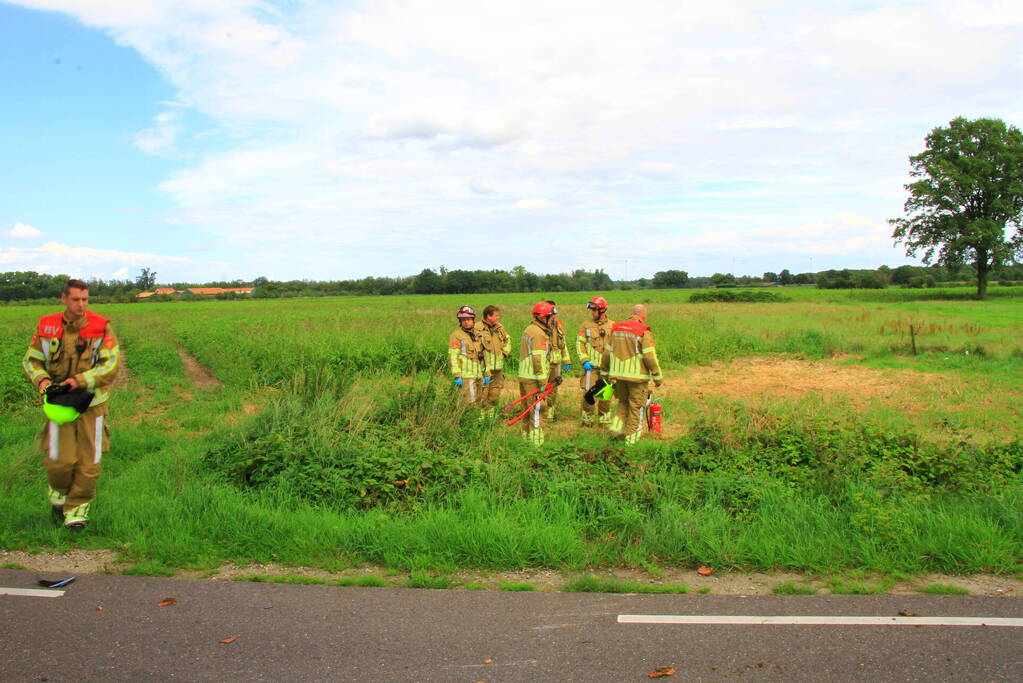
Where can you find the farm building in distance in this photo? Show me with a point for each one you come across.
(199, 291)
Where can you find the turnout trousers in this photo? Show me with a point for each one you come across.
(492, 392)
(532, 423)
(552, 398)
(471, 391)
(631, 413)
(72, 453)
(601, 408)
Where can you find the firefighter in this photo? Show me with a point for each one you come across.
(465, 356)
(560, 359)
(534, 368)
(593, 342)
(496, 347)
(76, 348)
(631, 365)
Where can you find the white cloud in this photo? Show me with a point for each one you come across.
(24, 231)
(120, 273)
(535, 204)
(396, 126)
(159, 138)
(87, 262)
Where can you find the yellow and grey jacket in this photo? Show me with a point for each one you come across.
(594, 341)
(534, 362)
(465, 354)
(496, 344)
(559, 349)
(633, 357)
(85, 349)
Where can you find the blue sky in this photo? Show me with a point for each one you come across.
(318, 139)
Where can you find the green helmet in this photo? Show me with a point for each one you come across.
(59, 414)
(62, 404)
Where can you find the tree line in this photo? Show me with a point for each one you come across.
(28, 286)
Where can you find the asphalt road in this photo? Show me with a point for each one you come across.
(324, 633)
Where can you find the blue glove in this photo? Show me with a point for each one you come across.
(458, 382)
(587, 366)
(486, 381)
(566, 367)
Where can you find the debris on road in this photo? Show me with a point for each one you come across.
(57, 583)
(167, 601)
(661, 671)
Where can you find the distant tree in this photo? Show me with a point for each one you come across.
(718, 279)
(427, 282)
(601, 280)
(670, 279)
(146, 279)
(902, 274)
(970, 189)
(785, 277)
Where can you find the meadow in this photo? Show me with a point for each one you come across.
(817, 434)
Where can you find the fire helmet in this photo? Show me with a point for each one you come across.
(597, 303)
(542, 309)
(62, 404)
(466, 312)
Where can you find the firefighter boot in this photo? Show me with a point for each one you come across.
(57, 501)
(76, 518)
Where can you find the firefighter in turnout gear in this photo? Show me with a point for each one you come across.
(631, 365)
(592, 344)
(465, 356)
(560, 359)
(496, 347)
(76, 348)
(535, 368)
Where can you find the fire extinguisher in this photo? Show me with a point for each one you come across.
(653, 416)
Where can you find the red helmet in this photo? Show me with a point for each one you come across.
(466, 312)
(543, 309)
(597, 303)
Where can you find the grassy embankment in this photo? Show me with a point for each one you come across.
(332, 439)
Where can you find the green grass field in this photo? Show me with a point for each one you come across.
(800, 435)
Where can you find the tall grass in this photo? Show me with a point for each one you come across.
(351, 448)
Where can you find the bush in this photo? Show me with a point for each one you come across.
(738, 296)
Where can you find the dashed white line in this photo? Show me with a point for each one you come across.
(817, 620)
(31, 592)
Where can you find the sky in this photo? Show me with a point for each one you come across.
(304, 139)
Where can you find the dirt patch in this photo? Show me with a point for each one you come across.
(724, 583)
(200, 375)
(745, 378)
(71, 562)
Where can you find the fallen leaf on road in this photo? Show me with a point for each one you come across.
(908, 614)
(488, 661)
(167, 601)
(704, 571)
(229, 640)
(661, 671)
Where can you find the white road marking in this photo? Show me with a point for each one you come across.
(818, 621)
(31, 592)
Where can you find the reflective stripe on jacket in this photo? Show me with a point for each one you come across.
(594, 341)
(533, 349)
(55, 353)
(465, 354)
(633, 357)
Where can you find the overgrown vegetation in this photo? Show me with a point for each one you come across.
(333, 440)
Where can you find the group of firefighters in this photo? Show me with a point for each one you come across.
(619, 357)
(74, 357)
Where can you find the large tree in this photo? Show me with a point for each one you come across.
(968, 194)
